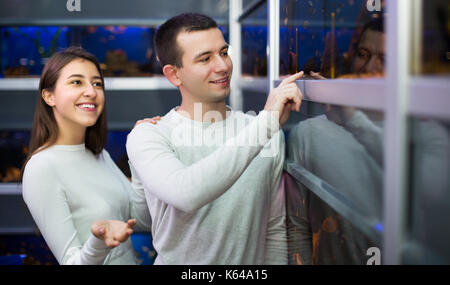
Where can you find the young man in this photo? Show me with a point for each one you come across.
(211, 175)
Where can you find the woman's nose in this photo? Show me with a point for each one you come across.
(89, 91)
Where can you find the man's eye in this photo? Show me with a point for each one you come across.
(206, 59)
(363, 54)
(225, 53)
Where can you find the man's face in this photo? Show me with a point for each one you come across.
(370, 53)
(207, 67)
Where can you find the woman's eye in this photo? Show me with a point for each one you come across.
(98, 84)
(76, 82)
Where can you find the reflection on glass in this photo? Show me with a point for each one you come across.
(436, 30)
(335, 38)
(343, 148)
(430, 191)
(254, 42)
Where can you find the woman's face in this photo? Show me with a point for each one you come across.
(78, 98)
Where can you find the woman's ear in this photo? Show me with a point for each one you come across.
(48, 98)
(171, 73)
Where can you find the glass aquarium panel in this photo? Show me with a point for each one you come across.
(24, 50)
(435, 57)
(429, 185)
(254, 43)
(14, 149)
(334, 197)
(335, 38)
(123, 51)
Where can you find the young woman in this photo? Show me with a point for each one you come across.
(83, 205)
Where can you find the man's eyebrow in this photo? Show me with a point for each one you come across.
(202, 54)
(209, 52)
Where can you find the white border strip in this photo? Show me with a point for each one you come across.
(429, 97)
(273, 42)
(236, 100)
(361, 93)
(10, 189)
(398, 41)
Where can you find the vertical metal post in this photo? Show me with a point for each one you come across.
(417, 40)
(273, 42)
(235, 10)
(398, 43)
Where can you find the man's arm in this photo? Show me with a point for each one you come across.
(189, 188)
(368, 134)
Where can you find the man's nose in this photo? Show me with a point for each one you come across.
(221, 64)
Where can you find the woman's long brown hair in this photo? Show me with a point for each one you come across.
(45, 128)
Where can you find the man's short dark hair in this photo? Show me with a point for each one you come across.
(167, 50)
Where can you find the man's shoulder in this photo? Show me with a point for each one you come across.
(242, 115)
(148, 132)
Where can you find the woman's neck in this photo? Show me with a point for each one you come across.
(70, 137)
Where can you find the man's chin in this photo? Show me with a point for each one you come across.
(218, 97)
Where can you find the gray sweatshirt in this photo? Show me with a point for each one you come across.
(213, 189)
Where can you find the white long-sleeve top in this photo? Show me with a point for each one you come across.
(67, 188)
(213, 189)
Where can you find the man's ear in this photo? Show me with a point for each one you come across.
(48, 97)
(171, 72)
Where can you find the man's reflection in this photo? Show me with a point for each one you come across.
(369, 54)
(343, 147)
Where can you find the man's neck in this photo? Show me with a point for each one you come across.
(204, 112)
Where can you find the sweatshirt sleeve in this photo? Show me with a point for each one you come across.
(276, 238)
(139, 207)
(49, 207)
(368, 134)
(189, 188)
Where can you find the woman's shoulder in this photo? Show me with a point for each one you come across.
(40, 162)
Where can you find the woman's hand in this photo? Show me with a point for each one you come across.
(148, 120)
(113, 232)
